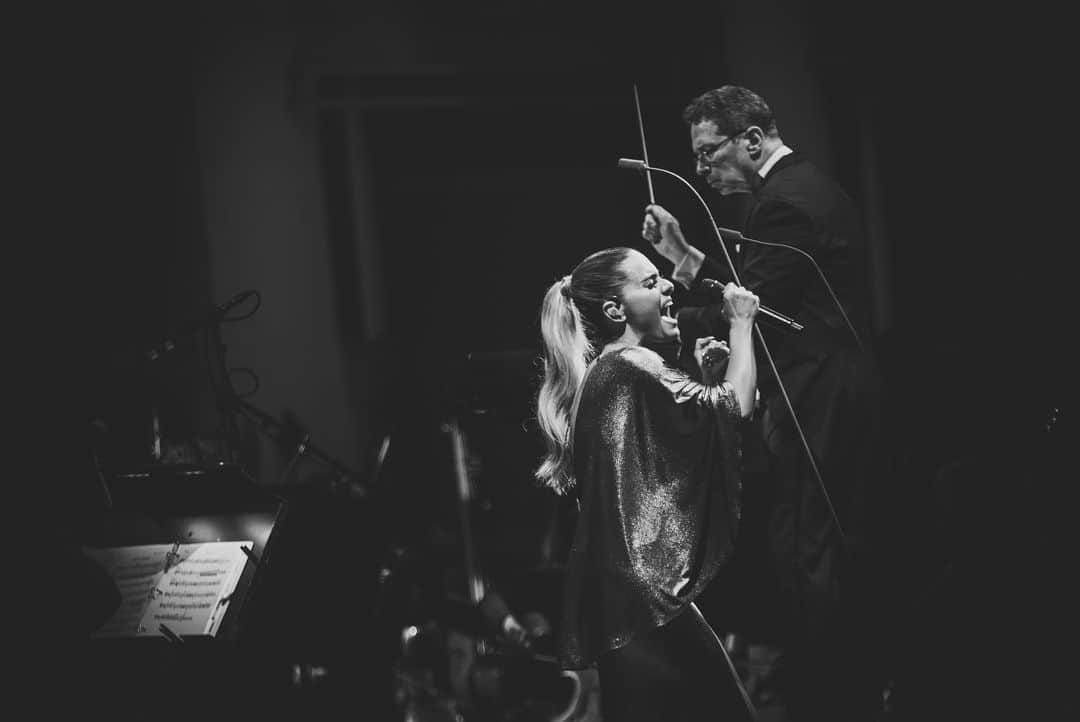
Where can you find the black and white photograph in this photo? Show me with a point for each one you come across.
(530, 361)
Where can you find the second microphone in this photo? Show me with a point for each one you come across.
(715, 289)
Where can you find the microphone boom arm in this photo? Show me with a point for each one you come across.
(643, 166)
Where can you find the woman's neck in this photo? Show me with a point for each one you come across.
(628, 338)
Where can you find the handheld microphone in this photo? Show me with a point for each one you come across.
(716, 289)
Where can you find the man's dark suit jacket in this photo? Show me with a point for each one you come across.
(832, 384)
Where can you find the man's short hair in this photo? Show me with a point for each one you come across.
(732, 109)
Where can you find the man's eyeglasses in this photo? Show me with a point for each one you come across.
(707, 151)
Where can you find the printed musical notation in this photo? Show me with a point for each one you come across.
(184, 586)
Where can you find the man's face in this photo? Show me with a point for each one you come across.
(721, 159)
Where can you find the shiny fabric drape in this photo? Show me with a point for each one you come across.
(656, 463)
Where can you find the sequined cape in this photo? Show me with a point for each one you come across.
(656, 463)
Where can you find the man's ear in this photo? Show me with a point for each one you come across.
(755, 137)
(613, 311)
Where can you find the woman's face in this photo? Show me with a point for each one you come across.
(646, 300)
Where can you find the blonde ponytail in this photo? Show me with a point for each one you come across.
(567, 352)
(574, 327)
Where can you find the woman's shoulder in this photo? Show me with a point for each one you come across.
(623, 372)
(634, 361)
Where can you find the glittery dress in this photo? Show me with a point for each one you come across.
(656, 463)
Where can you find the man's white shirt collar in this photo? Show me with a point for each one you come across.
(773, 159)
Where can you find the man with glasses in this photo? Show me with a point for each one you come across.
(796, 594)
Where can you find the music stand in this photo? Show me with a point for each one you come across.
(165, 504)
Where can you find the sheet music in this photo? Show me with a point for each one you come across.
(186, 587)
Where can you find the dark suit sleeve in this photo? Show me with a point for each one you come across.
(698, 321)
(714, 268)
(777, 275)
(703, 315)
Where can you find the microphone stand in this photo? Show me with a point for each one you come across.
(276, 430)
(643, 166)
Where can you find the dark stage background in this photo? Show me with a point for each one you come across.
(400, 182)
